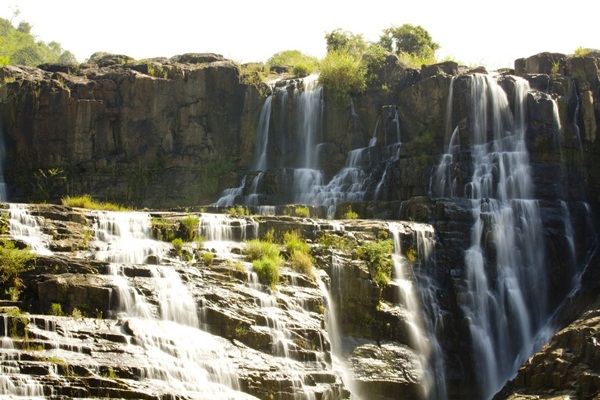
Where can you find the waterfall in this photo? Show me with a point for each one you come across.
(182, 357)
(12, 383)
(415, 292)
(505, 276)
(262, 138)
(25, 227)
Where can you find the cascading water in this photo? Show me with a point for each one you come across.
(25, 227)
(183, 357)
(505, 276)
(415, 292)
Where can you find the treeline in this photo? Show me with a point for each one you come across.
(353, 64)
(19, 46)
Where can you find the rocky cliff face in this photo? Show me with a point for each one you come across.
(164, 133)
(124, 130)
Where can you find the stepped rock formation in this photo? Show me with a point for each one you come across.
(166, 133)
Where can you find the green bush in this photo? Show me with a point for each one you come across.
(267, 269)
(342, 75)
(177, 245)
(292, 241)
(56, 309)
(377, 256)
(13, 262)
(238, 211)
(188, 228)
(302, 212)
(302, 262)
(256, 249)
(270, 236)
(208, 258)
(349, 214)
(295, 61)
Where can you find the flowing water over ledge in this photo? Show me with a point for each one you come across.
(176, 325)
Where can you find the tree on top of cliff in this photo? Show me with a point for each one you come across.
(410, 40)
(341, 40)
(19, 46)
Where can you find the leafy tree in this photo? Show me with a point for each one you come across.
(19, 46)
(410, 39)
(295, 61)
(341, 40)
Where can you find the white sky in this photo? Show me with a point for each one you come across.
(473, 32)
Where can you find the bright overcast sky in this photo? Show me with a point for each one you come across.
(473, 32)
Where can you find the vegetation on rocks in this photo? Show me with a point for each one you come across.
(13, 262)
(86, 201)
(377, 256)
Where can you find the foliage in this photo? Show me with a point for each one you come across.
(302, 212)
(208, 258)
(4, 223)
(342, 75)
(295, 61)
(256, 249)
(56, 309)
(411, 254)
(331, 240)
(13, 262)
(46, 182)
(582, 52)
(341, 40)
(163, 229)
(238, 211)
(76, 313)
(19, 46)
(302, 262)
(294, 242)
(270, 236)
(377, 256)
(252, 73)
(375, 59)
(349, 214)
(177, 245)
(267, 269)
(86, 201)
(409, 39)
(188, 228)
(110, 374)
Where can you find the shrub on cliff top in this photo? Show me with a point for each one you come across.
(256, 249)
(342, 75)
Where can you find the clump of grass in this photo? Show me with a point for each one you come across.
(349, 214)
(302, 212)
(238, 211)
(208, 258)
(256, 249)
(188, 228)
(270, 236)
(86, 201)
(178, 246)
(267, 269)
(302, 262)
(56, 309)
(294, 242)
